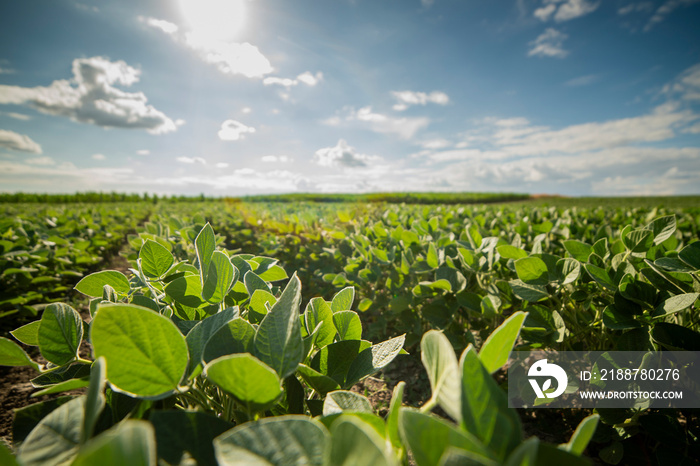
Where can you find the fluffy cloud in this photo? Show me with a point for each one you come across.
(306, 77)
(276, 159)
(549, 44)
(17, 116)
(686, 86)
(18, 142)
(45, 161)
(641, 7)
(191, 160)
(232, 130)
(564, 10)
(342, 155)
(404, 127)
(91, 97)
(143, 152)
(408, 98)
(160, 24)
(99, 157)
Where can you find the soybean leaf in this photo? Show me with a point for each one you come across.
(510, 252)
(27, 418)
(342, 301)
(247, 379)
(193, 432)
(281, 440)
(56, 438)
(428, 437)
(343, 400)
(155, 259)
(221, 276)
(93, 284)
(319, 382)
(392, 418)
(348, 325)
(440, 363)
(526, 292)
(187, 291)
(236, 336)
(355, 442)
(532, 270)
(583, 434)
(497, 347)
(146, 354)
(601, 276)
(28, 334)
(6, 457)
(675, 337)
(578, 250)
(335, 359)
(373, 359)
(254, 283)
(259, 302)
(95, 399)
(675, 304)
(662, 228)
(568, 270)
(205, 244)
(130, 442)
(11, 354)
(639, 241)
(60, 333)
(61, 374)
(71, 384)
(278, 340)
(691, 255)
(200, 334)
(485, 411)
(318, 311)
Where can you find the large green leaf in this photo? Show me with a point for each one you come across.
(93, 284)
(221, 276)
(527, 292)
(282, 440)
(578, 250)
(236, 336)
(248, 379)
(205, 244)
(601, 276)
(342, 301)
(691, 255)
(355, 442)
(392, 418)
(193, 432)
(278, 340)
(485, 411)
(95, 398)
(155, 259)
(343, 400)
(28, 334)
(319, 382)
(260, 303)
(130, 442)
(441, 364)
(583, 434)
(373, 359)
(497, 347)
(60, 333)
(428, 437)
(676, 303)
(335, 359)
(663, 228)
(11, 354)
(532, 270)
(146, 354)
(186, 290)
(200, 334)
(56, 438)
(348, 325)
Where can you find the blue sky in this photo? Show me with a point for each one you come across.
(231, 97)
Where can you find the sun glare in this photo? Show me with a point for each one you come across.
(218, 19)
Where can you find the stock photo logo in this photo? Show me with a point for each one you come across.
(544, 369)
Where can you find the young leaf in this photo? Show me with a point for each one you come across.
(440, 363)
(200, 334)
(95, 399)
(146, 354)
(319, 382)
(221, 276)
(28, 334)
(691, 255)
(258, 305)
(532, 270)
(11, 354)
(187, 291)
(278, 340)
(130, 442)
(56, 438)
(247, 379)
(675, 304)
(578, 250)
(497, 347)
(93, 284)
(343, 400)
(60, 333)
(662, 228)
(583, 434)
(318, 311)
(342, 301)
(293, 440)
(373, 359)
(348, 325)
(254, 283)
(155, 259)
(205, 244)
(392, 418)
(355, 442)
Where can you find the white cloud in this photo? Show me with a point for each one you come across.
(435, 144)
(165, 26)
(99, 157)
(641, 7)
(582, 80)
(6, 70)
(549, 44)
(246, 110)
(306, 77)
(666, 9)
(191, 160)
(232, 130)
(404, 127)
(686, 86)
(90, 97)
(408, 98)
(17, 116)
(561, 10)
(18, 142)
(342, 155)
(230, 57)
(143, 152)
(222, 165)
(45, 161)
(276, 159)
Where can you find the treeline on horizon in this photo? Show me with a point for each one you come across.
(408, 198)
